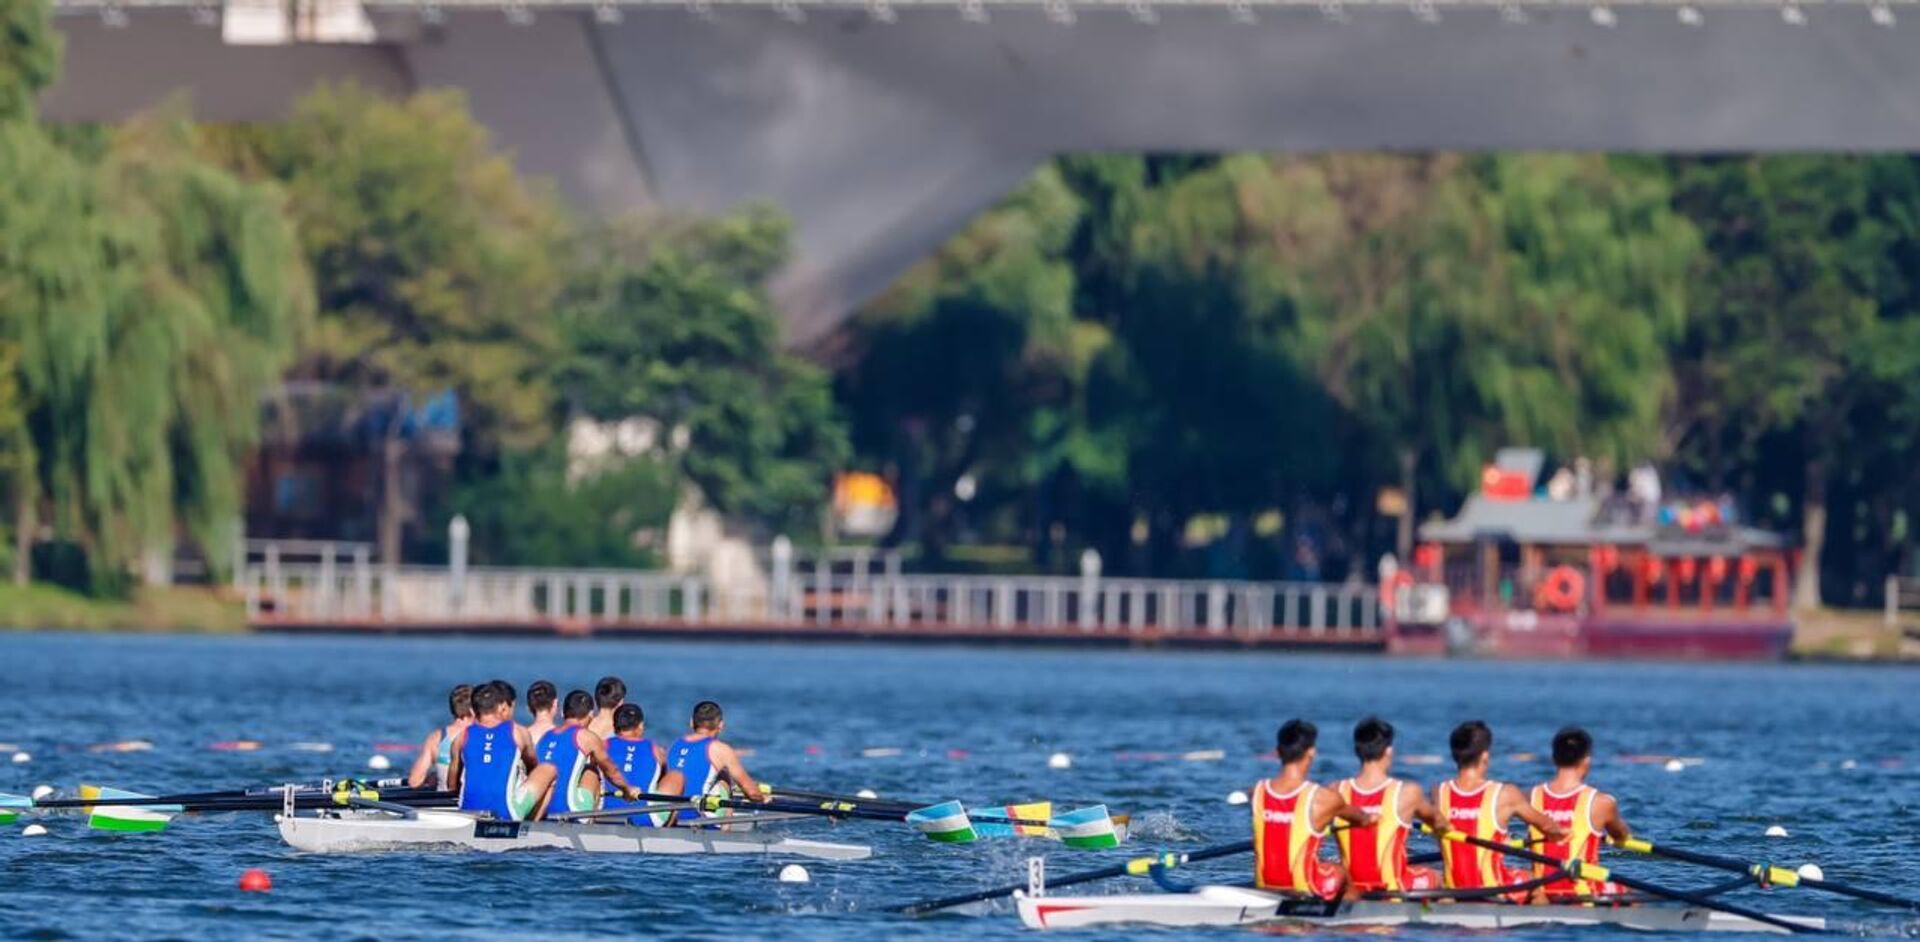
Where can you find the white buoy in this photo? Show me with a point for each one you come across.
(1776, 831)
(794, 873)
(33, 830)
(42, 791)
(866, 793)
(1674, 765)
(1059, 760)
(1849, 764)
(379, 763)
(1810, 871)
(1237, 797)
(22, 758)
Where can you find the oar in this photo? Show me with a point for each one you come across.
(1765, 873)
(1581, 870)
(229, 801)
(1138, 866)
(620, 812)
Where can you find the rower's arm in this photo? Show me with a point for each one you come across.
(1607, 811)
(454, 766)
(423, 763)
(1414, 806)
(597, 751)
(1514, 799)
(729, 762)
(528, 760)
(1331, 806)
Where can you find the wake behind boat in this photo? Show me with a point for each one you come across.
(332, 832)
(1245, 906)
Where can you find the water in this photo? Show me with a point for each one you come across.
(1830, 753)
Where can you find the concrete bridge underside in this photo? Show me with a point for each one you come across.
(884, 129)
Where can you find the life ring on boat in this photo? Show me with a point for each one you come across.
(1561, 590)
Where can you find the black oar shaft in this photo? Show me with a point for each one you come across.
(1692, 899)
(1131, 867)
(1768, 873)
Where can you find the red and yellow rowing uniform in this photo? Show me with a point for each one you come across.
(1573, 811)
(1475, 813)
(1286, 848)
(1376, 856)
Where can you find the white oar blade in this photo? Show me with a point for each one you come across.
(1088, 828)
(946, 822)
(126, 819)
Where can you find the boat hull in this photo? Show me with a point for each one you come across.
(352, 833)
(1240, 906)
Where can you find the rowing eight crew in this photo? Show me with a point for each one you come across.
(594, 754)
(1567, 817)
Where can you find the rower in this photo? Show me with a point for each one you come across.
(1477, 806)
(703, 761)
(492, 766)
(608, 695)
(436, 751)
(1586, 812)
(1291, 816)
(1376, 854)
(641, 760)
(543, 700)
(574, 759)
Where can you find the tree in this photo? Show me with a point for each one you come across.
(433, 263)
(30, 51)
(670, 320)
(531, 514)
(1783, 302)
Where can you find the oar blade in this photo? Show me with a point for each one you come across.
(125, 819)
(1089, 828)
(999, 822)
(946, 822)
(11, 806)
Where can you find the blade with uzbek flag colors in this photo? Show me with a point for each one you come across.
(1089, 828)
(125, 818)
(998, 822)
(11, 806)
(946, 822)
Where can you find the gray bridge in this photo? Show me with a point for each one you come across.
(883, 126)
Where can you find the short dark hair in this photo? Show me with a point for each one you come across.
(507, 692)
(1470, 741)
(1372, 737)
(628, 716)
(1571, 745)
(541, 695)
(1294, 739)
(610, 692)
(579, 704)
(486, 698)
(460, 701)
(707, 715)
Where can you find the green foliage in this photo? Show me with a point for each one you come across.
(29, 55)
(432, 261)
(670, 321)
(529, 514)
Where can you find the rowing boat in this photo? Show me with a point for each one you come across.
(1240, 906)
(333, 832)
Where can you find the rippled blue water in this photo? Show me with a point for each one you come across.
(1830, 753)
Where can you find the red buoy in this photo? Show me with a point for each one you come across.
(256, 881)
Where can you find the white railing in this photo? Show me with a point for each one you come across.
(352, 589)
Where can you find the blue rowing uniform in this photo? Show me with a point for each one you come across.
(640, 767)
(490, 775)
(692, 759)
(560, 748)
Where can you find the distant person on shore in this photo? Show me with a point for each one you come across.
(1476, 805)
(1588, 814)
(1376, 854)
(493, 767)
(436, 751)
(608, 695)
(543, 701)
(1291, 816)
(704, 762)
